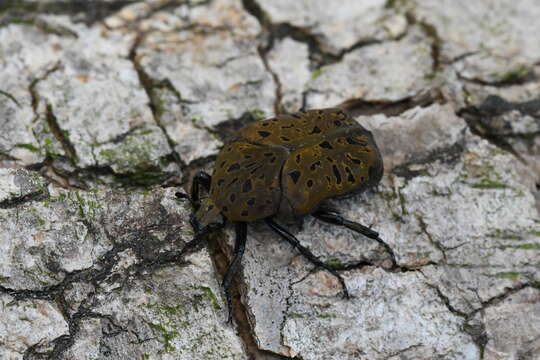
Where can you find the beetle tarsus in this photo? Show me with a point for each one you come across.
(291, 239)
(239, 247)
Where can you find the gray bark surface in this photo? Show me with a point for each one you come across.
(108, 108)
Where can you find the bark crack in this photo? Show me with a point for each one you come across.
(10, 97)
(149, 85)
(39, 24)
(37, 195)
(521, 76)
(60, 135)
(479, 119)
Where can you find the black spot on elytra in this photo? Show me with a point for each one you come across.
(354, 160)
(295, 175)
(251, 202)
(232, 198)
(265, 124)
(326, 145)
(264, 133)
(355, 141)
(350, 176)
(233, 167)
(232, 182)
(337, 174)
(315, 130)
(314, 166)
(246, 187)
(244, 213)
(309, 183)
(254, 170)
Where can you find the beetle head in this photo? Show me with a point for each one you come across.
(207, 216)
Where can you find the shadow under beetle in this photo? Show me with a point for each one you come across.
(285, 168)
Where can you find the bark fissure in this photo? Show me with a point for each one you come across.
(149, 86)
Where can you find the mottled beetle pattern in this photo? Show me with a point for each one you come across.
(285, 168)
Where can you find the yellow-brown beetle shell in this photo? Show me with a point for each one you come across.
(286, 166)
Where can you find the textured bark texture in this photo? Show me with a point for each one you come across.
(108, 107)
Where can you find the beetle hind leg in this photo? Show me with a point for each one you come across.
(291, 239)
(239, 247)
(336, 219)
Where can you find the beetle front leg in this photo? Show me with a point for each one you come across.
(239, 247)
(200, 179)
(291, 239)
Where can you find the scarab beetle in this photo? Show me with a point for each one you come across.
(285, 168)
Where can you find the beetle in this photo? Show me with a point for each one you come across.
(281, 169)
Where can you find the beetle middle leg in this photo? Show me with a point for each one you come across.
(291, 239)
(239, 247)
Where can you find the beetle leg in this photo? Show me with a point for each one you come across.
(239, 247)
(200, 178)
(337, 219)
(327, 208)
(291, 239)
